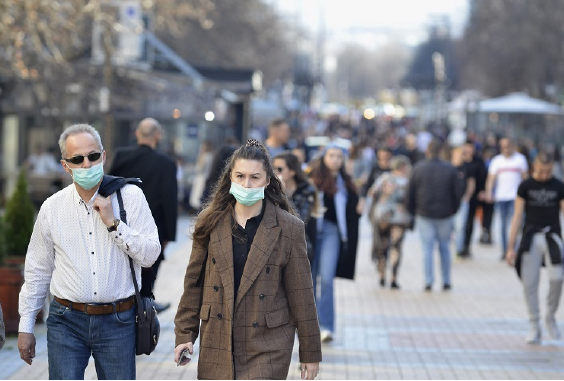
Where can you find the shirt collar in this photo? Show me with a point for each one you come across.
(258, 217)
(78, 200)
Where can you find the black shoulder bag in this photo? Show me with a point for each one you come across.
(146, 322)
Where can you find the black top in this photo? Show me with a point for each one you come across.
(330, 211)
(158, 173)
(477, 170)
(464, 173)
(242, 239)
(542, 202)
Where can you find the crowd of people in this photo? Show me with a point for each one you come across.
(276, 224)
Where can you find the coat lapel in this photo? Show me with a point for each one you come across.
(222, 247)
(263, 244)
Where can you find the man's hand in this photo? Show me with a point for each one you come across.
(26, 346)
(510, 256)
(103, 205)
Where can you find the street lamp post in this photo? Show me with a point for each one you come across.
(440, 78)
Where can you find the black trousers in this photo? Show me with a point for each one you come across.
(487, 215)
(472, 206)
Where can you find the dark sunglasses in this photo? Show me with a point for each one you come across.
(79, 159)
(279, 169)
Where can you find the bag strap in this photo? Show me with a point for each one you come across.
(140, 308)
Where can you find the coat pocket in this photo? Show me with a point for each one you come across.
(205, 312)
(277, 318)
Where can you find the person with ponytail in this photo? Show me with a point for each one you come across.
(248, 285)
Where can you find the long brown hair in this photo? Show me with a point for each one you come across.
(220, 201)
(325, 181)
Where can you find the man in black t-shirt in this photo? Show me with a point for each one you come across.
(541, 199)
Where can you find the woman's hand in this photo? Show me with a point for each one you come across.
(310, 370)
(180, 347)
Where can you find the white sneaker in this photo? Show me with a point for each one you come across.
(326, 336)
(534, 336)
(552, 328)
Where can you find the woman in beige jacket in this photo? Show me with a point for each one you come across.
(248, 279)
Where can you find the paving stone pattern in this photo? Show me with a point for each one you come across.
(475, 331)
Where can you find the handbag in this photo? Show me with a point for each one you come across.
(147, 324)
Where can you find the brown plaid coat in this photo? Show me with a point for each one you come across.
(251, 337)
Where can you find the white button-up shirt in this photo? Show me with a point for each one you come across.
(72, 251)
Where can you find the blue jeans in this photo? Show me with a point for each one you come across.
(432, 230)
(505, 209)
(73, 336)
(460, 219)
(325, 266)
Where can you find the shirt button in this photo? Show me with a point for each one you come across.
(92, 253)
(93, 273)
(268, 270)
(215, 288)
(255, 324)
(90, 233)
(219, 316)
(95, 293)
(213, 261)
(261, 296)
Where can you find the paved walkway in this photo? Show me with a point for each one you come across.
(475, 331)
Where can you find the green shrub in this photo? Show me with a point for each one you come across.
(19, 219)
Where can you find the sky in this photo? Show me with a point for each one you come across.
(371, 22)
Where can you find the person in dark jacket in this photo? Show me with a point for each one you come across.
(337, 232)
(301, 192)
(434, 194)
(158, 174)
(476, 169)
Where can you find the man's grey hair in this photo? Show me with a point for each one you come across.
(78, 129)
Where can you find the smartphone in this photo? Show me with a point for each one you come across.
(183, 359)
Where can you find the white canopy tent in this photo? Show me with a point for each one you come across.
(519, 103)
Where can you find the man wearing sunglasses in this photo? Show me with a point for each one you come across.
(80, 250)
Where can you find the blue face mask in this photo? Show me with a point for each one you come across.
(87, 178)
(246, 196)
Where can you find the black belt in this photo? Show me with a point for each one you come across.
(99, 309)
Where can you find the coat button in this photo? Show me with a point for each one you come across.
(261, 296)
(219, 316)
(213, 261)
(215, 288)
(255, 324)
(268, 270)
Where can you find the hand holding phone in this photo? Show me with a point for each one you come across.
(184, 359)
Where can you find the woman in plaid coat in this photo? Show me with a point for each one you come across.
(248, 279)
